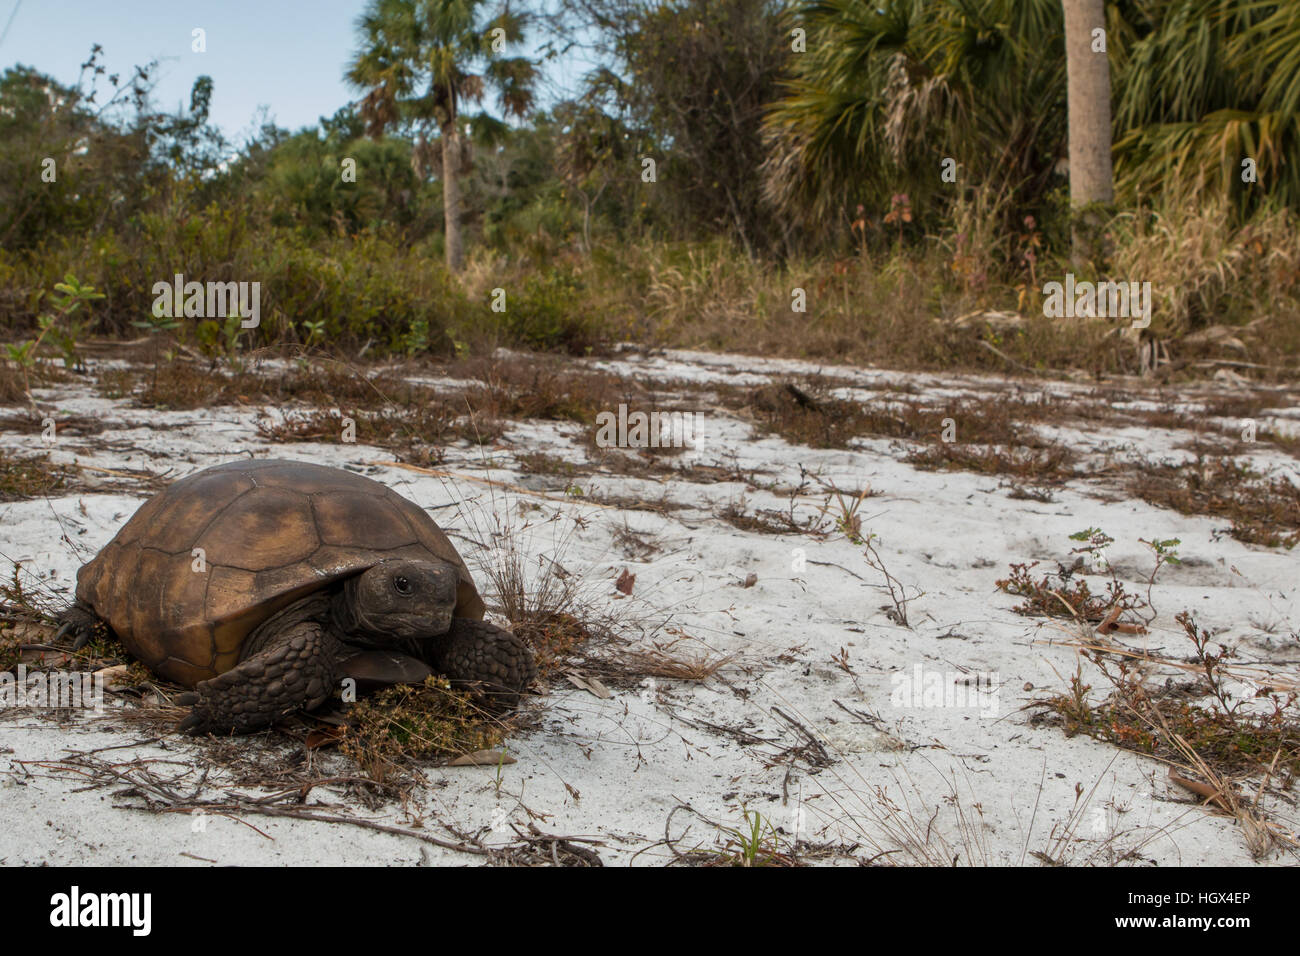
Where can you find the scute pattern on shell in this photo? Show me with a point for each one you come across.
(270, 532)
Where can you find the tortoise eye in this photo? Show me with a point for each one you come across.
(403, 586)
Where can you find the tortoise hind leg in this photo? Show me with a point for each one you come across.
(80, 620)
(292, 668)
(488, 659)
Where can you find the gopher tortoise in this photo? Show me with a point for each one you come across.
(262, 584)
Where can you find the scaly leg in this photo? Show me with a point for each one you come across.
(81, 621)
(293, 667)
(488, 659)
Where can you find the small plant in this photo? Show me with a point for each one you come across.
(754, 842)
(897, 591)
(1067, 594)
(1166, 553)
(58, 326)
(417, 721)
(753, 847)
(416, 338)
(1211, 663)
(1096, 542)
(1060, 594)
(156, 325)
(222, 341)
(847, 520)
(501, 767)
(316, 332)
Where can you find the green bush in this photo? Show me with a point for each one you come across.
(548, 312)
(365, 289)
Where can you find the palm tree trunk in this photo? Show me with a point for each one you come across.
(1088, 73)
(451, 195)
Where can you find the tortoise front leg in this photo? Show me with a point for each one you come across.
(294, 667)
(489, 660)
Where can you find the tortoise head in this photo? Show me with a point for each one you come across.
(401, 598)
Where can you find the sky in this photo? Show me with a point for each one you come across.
(286, 55)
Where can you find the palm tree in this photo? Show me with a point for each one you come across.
(417, 63)
(890, 88)
(1088, 69)
(1203, 85)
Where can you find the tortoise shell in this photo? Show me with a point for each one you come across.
(270, 532)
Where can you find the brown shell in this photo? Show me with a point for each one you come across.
(271, 532)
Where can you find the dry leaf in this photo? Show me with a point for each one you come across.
(1108, 625)
(324, 738)
(589, 684)
(1201, 790)
(111, 674)
(482, 758)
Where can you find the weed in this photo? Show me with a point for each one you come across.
(58, 326)
(755, 842)
(32, 477)
(1262, 511)
(428, 720)
(847, 520)
(1228, 738)
(898, 599)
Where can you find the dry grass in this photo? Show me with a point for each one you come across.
(662, 662)
(544, 387)
(1212, 737)
(1229, 732)
(1262, 511)
(428, 721)
(541, 463)
(771, 521)
(188, 385)
(1202, 267)
(1051, 464)
(913, 308)
(418, 433)
(803, 413)
(986, 434)
(12, 390)
(897, 312)
(33, 477)
(550, 607)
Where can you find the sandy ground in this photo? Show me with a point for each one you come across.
(907, 761)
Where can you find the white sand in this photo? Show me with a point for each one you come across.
(614, 769)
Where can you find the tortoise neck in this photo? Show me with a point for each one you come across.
(343, 613)
(348, 623)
